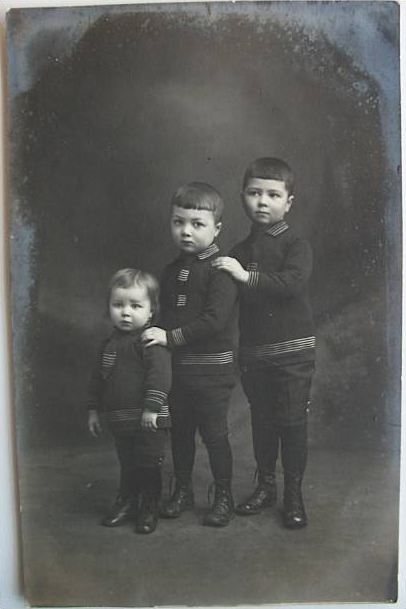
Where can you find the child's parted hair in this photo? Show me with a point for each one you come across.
(127, 278)
(270, 168)
(198, 195)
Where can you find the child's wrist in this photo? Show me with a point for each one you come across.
(245, 277)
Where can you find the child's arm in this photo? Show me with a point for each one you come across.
(157, 384)
(94, 396)
(296, 271)
(221, 299)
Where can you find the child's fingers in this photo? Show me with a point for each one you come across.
(221, 260)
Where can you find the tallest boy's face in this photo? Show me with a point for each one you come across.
(266, 201)
(193, 230)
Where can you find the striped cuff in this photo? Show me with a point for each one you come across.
(176, 337)
(154, 400)
(253, 279)
(92, 404)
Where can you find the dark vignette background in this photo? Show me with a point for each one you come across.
(151, 98)
(113, 108)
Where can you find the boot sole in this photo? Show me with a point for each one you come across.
(120, 523)
(174, 516)
(218, 525)
(293, 526)
(240, 511)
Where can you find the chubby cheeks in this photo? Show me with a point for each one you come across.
(130, 308)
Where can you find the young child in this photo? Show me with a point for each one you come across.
(129, 388)
(199, 314)
(273, 266)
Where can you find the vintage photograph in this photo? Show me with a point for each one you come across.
(204, 206)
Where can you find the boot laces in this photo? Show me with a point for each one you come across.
(220, 503)
(294, 495)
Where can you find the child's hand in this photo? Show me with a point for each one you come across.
(231, 266)
(94, 424)
(154, 336)
(148, 420)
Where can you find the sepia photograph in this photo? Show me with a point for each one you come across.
(210, 192)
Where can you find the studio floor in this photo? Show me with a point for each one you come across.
(348, 553)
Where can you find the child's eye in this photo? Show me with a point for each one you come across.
(198, 224)
(253, 193)
(117, 304)
(135, 306)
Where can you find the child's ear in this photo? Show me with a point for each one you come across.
(218, 227)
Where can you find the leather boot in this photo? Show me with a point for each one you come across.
(122, 511)
(222, 510)
(151, 488)
(294, 515)
(263, 496)
(181, 500)
(147, 518)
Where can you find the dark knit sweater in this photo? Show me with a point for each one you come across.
(276, 323)
(199, 308)
(129, 378)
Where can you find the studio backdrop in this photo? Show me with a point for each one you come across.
(111, 109)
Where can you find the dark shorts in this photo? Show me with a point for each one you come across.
(142, 448)
(282, 396)
(203, 401)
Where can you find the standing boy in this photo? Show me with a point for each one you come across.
(199, 314)
(273, 266)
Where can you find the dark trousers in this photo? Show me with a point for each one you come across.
(201, 403)
(279, 400)
(140, 455)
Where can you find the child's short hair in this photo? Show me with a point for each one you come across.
(126, 278)
(198, 195)
(270, 168)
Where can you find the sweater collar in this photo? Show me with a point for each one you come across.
(210, 251)
(274, 230)
(277, 229)
(133, 336)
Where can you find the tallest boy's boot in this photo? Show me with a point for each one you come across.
(263, 496)
(294, 458)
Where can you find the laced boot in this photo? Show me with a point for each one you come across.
(147, 518)
(122, 511)
(294, 515)
(181, 500)
(222, 510)
(263, 496)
